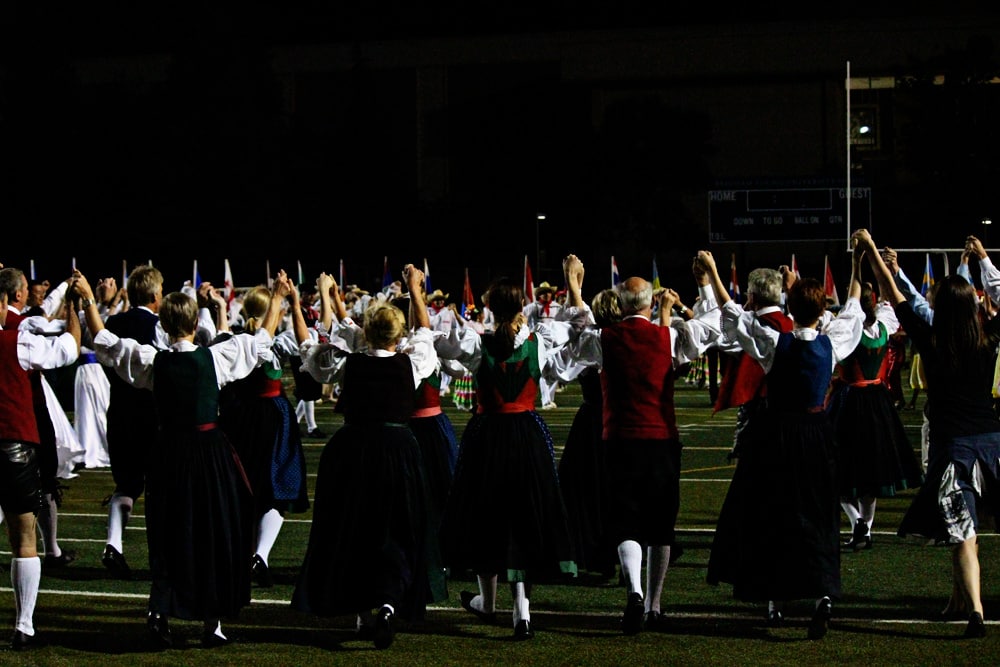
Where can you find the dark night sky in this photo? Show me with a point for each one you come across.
(209, 164)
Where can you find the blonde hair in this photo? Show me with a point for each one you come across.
(385, 325)
(255, 304)
(179, 315)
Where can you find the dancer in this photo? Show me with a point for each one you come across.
(788, 464)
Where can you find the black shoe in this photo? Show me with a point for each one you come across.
(821, 619)
(211, 640)
(976, 627)
(159, 630)
(632, 618)
(654, 621)
(114, 561)
(523, 631)
(23, 642)
(861, 539)
(384, 632)
(485, 617)
(60, 561)
(316, 433)
(775, 619)
(260, 572)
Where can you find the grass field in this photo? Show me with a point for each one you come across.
(889, 613)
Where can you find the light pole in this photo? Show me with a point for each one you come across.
(538, 221)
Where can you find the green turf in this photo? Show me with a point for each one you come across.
(889, 613)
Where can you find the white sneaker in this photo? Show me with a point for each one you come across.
(550, 405)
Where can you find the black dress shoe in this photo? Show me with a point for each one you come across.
(316, 433)
(23, 642)
(260, 572)
(654, 621)
(115, 563)
(523, 631)
(60, 561)
(861, 539)
(821, 619)
(632, 618)
(976, 627)
(384, 633)
(485, 617)
(775, 619)
(159, 630)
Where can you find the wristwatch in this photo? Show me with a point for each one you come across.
(86, 303)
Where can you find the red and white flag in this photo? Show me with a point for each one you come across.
(615, 276)
(228, 288)
(795, 268)
(829, 286)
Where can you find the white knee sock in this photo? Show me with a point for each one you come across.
(300, 411)
(868, 511)
(311, 415)
(487, 594)
(657, 562)
(851, 510)
(48, 522)
(25, 576)
(119, 511)
(630, 555)
(519, 593)
(214, 626)
(268, 529)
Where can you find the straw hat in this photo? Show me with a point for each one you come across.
(545, 288)
(436, 294)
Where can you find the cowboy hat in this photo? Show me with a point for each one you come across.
(543, 288)
(436, 294)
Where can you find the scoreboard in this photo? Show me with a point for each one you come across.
(795, 214)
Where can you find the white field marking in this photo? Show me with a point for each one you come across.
(730, 615)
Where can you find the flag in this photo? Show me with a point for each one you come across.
(734, 283)
(614, 272)
(468, 298)
(656, 275)
(73, 266)
(427, 278)
(302, 276)
(32, 275)
(228, 288)
(529, 284)
(829, 286)
(195, 276)
(267, 268)
(124, 273)
(795, 268)
(928, 281)
(341, 283)
(386, 274)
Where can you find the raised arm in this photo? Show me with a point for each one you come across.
(708, 261)
(282, 288)
(573, 275)
(414, 279)
(862, 240)
(298, 319)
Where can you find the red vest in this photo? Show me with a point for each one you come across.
(637, 381)
(743, 379)
(17, 419)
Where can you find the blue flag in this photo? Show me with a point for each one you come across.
(928, 281)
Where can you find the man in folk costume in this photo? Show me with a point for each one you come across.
(743, 384)
(443, 318)
(544, 307)
(20, 484)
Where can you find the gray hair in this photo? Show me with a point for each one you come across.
(636, 295)
(765, 285)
